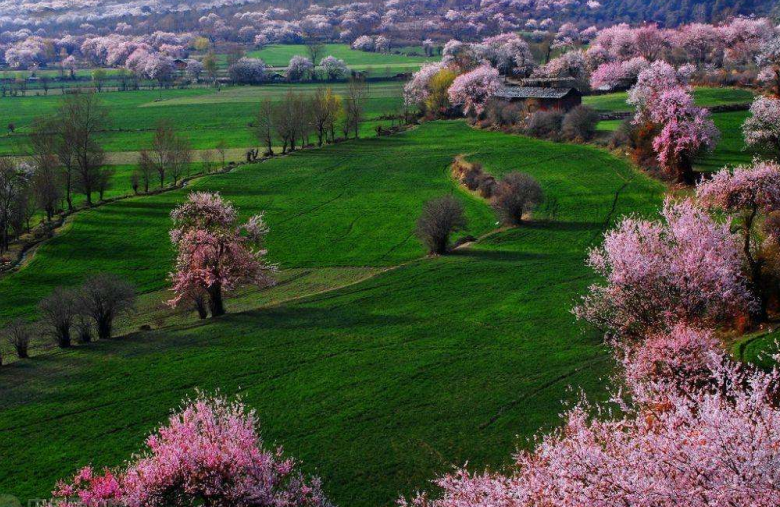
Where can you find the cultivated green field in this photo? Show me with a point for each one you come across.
(279, 55)
(205, 116)
(705, 97)
(377, 385)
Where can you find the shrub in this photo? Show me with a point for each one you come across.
(83, 328)
(58, 310)
(19, 333)
(579, 124)
(516, 195)
(440, 218)
(102, 298)
(545, 124)
(486, 184)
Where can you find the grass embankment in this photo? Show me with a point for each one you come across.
(377, 386)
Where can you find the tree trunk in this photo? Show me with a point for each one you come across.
(216, 305)
(104, 326)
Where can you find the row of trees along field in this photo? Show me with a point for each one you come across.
(63, 156)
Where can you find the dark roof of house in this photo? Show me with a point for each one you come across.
(533, 92)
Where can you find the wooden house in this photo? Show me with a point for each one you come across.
(541, 97)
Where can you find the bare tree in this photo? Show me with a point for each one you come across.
(19, 333)
(325, 107)
(171, 153)
(82, 118)
(315, 49)
(13, 187)
(264, 125)
(440, 218)
(103, 297)
(222, 151)
(146, 168)
(516, 195)
(284, 121)
(47, 179)
(58, 311)
(354, 105)
(207, 160)
(302, 119)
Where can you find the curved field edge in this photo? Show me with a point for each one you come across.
(377, 386)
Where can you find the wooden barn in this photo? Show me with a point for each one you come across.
(542, 97)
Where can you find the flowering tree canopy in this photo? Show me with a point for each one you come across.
(213, 254)
(762, 128)
(473, 89)
(209, 452)
(687, 267)
(686, 132)
(676, 445)
(299, 69)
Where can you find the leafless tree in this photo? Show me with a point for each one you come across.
(146, 168)
(19, 333)
(222, 151)
(315, 49)
(47, 179)
(440, 218)
(13, 188)
(58, 311)
(207, 160)
(264, 125)
(82, 118)
(354, 105)
(170, 153)
(103, 297)
(516, 195)
(325, 107)
(284, 121)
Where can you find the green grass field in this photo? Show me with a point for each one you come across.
(279, 55)
(205, 116)
(705, 97)
(403, 368)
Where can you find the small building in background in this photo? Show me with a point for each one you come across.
(545, 94)
(541, 98)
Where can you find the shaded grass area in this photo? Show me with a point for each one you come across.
(378, 386)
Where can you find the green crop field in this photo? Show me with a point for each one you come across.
(378, 368)
(279, 55)
(705, 97)
(205, 116)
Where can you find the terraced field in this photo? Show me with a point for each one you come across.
(378, 368)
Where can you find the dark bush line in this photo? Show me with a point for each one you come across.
(512, 197)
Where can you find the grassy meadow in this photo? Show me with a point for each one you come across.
(378, 368)
(374, 64)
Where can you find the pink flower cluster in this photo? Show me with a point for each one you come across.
(473, 89)
(750, 188)
(686, 268)
(673, 447)
(210, 452)
(212, 250)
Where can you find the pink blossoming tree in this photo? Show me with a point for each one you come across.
(747, 192)
(762, 128)
(215, 253)
(686, 131)
(473, 89)
(210, 453)
(686, 267)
